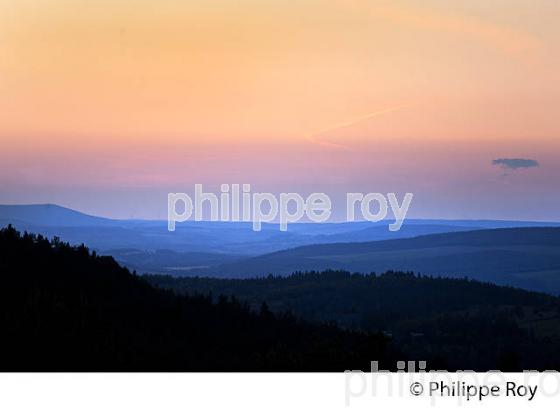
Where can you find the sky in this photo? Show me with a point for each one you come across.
(108, 105)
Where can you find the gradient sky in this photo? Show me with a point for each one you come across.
(108, 105)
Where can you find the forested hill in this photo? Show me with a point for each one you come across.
(527, 258)
(333, 295)
(451, 323)
(66, 309)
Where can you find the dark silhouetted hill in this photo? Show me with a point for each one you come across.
(451, 323)
(66, 309)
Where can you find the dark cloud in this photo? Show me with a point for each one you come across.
(515, 163)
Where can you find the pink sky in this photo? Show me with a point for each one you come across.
(105, 106)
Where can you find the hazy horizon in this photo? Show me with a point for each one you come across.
(275, 222)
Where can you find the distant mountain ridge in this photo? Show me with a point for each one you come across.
(56, 215)
(227, 248)
(524, 257)
(49, 215)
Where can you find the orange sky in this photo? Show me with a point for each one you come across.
(126, 94)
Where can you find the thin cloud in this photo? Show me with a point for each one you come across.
(515, 163)
(316, 136)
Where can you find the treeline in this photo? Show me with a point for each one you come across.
(451, 323)
(64, 308)
(322, 295)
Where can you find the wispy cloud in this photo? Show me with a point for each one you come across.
(315, 137)
(515, 163)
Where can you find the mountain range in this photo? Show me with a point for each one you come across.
(523, 257)
(518, 253)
